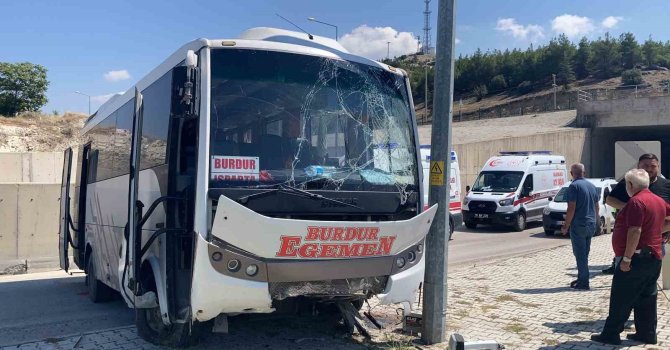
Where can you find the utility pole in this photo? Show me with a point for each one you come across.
(425, 103)
(388, 49)
(553, 76)
(437, 241)
(89, 100)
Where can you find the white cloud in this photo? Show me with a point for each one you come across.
(103, 98)
(458, 41)
(372, 42)
(117, 75)
(572, 26)
(510, 26)
(611, 22)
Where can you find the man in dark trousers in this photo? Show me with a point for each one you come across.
(637, 239)
(583, 206)
(657, 185)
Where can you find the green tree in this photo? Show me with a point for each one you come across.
(651, 51)
(630, 50)
(582, 59)
(23, 87)
(606, 57)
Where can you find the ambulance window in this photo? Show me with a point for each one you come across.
(528, 184)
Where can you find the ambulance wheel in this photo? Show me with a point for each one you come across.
(151, 328)
(98, 292)
(471, 225)
(602, 228)
(520, 223)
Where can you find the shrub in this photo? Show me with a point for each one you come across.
(498, 83)
(632, 77)
(480, 91)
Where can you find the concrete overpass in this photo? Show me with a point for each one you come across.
(638, 120)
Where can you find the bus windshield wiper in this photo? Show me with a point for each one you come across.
(296, 192)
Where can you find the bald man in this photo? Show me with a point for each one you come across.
(580, 220)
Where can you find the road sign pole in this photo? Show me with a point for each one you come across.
(437, 241)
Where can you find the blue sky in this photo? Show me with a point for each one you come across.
(102, 47)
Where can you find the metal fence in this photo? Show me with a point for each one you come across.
(624, 92)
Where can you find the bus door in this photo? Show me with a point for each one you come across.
(65, 220)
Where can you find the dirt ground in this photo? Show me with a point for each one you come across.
(34, 132)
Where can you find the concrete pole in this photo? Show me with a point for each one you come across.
(437, 241)
(425, 103)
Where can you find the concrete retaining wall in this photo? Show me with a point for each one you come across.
(28, 226)
(570, 143)
(38, 167)
(630, 112)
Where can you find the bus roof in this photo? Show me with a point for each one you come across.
(271, 39)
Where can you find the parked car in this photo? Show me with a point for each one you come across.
(554, 214)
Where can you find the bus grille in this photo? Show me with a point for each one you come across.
(329, 288)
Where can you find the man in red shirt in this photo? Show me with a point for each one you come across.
(637, 238)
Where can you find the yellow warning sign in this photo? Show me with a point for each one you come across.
(436, 173)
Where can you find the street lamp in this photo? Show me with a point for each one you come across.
(89, 100)
(328, 24)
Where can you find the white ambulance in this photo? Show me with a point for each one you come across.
(455, 214)
(514, 188)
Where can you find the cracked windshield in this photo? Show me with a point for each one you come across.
(309, 122)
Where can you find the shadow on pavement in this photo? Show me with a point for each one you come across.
(541, 290)
(581, 344)
(576, 327)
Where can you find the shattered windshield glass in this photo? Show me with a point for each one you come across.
(309, 122)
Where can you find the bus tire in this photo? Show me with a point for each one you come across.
(151, 328)
(98, 292)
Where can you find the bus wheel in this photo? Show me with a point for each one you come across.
(98, 292)
(151, 328)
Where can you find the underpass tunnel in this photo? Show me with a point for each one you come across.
(611, 148)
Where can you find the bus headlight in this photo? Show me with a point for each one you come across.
(233, 265)
(400, 262)
(252, 270)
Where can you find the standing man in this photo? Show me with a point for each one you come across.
(580, 221)
(637, 240)
(657, 185)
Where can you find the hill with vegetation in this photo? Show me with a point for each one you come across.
(36, 132)
(486, 79)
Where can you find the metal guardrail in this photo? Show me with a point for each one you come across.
(624, 92)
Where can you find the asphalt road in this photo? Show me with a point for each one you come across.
(54, 304)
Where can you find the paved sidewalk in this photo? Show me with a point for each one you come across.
(522, 302)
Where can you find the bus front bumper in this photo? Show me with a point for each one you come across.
(231, 279)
